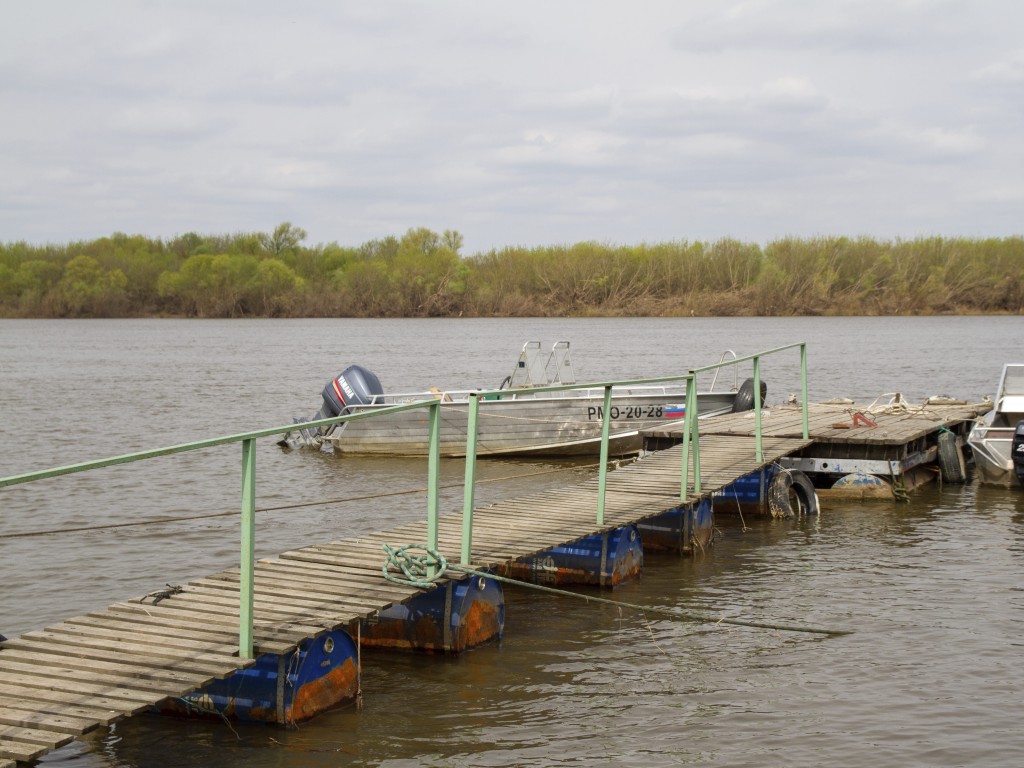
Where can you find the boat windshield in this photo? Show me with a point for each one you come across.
(1011, 393)
(1013, 383)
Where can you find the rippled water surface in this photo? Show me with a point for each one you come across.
(932, 675)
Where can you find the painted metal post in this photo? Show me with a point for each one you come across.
(694, 426)
(688, 432)
(758, 446)
(469, 493)
(433, 479)
(602, 479)
(803, 386)
(248, 556)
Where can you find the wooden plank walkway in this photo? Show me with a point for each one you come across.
(63, 681)
(895, 426)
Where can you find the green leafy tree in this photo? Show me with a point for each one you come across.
(272, 285)
(285, 237)
(89, 290)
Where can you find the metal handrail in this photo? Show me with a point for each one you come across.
(719, 369)
(248, 441)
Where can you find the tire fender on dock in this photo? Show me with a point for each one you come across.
(744, 399)
(792, 493)
(951, 458)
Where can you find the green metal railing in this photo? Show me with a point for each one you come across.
(691, 445)
(690, 441)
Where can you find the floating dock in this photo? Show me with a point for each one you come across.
(897, 441)
(63, 681)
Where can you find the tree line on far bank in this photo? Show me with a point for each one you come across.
(424, 274)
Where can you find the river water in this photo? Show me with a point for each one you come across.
(932, 675)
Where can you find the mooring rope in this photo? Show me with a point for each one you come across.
(417, 567)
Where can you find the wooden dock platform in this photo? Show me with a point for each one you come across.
(834, 423)
(63, 681)
(894, 440)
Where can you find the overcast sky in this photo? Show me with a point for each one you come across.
(515, 123)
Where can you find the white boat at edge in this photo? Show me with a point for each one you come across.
(991, 439)
(512, 420)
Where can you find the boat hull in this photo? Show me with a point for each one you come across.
(522, 425)
(991, 447)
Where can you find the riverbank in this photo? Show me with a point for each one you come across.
(423, 274)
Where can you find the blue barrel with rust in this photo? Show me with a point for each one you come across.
(452, 617)
(680, 529)
(603, 560)
(284, 689)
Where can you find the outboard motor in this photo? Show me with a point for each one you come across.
(353, 386)
(1018, 452)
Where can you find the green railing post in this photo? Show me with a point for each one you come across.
(469, 492)
(684, 479)
(803, 386)
(248, 556)
(758, 446)
(694, 425)
(433, 479)
(602, 479)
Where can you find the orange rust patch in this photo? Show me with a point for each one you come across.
(480, 624)
(324, 692)
(629, 567)
(263, 714)
(424, 634)
(383, 632)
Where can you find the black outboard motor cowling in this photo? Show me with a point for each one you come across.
(1017, 452)
(353, 386)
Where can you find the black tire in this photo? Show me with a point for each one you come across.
(792, 493)
(744, 400)
(951, 459)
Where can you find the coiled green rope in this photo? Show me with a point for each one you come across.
(415, 568)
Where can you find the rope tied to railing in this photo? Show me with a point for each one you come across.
(414, 567)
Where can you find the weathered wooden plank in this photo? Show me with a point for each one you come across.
(131, 638)
(147, 621)
(25, 735)
(267, 635)
(285, 581)
(24, 716)
(138, 677)
(104, 709)
(367, 582)
(20, 751)
(130, 700)
(290, 593)
(92, 714)
(149, 655)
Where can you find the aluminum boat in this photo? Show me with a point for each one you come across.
(513, 420)
(997, 440)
